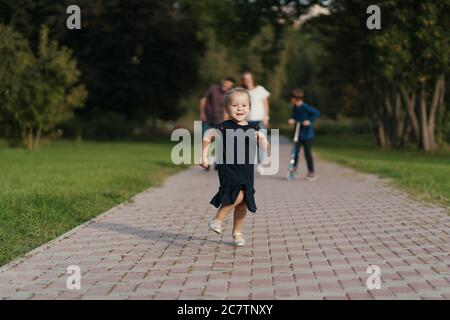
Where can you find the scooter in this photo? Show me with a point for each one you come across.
(291, 172)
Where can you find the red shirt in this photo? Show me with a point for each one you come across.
(214, 108)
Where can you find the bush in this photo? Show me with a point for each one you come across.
(343, 125)
(112, 126)
(108, 126)
(327, 126)
(280, 111)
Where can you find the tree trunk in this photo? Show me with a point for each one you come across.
(425, 141)
(393, 117)
(30, 138)
(399, 118)
(388, 123)
(37, 140)
(79, 135)
(410, 102)
(435, 104)
(22, 140)
(406, 133)
(442, 118)
(382, 136)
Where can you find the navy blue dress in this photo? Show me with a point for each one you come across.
(234, 177)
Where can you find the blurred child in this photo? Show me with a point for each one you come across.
(306, 115)
(236, 189)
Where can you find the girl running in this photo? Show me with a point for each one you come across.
(236, 177)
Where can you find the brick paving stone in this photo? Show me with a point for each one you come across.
(307, 241)
(382, 294)
(262, 296)
(359, 296)
(308, 288)
(336, 297)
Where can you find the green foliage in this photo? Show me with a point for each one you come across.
(395, 76)
(137, 57)
(54, 84)
(342, 125)
(217, 62)
(236, 22)
(39, 94)
(414, 55)
(259, 53)
(147, 60)
(414, 45)
(303, 70)
(231, 48)
(17, 59)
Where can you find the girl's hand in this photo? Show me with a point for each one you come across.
(262, 140)
(291, 121)
(204, 162)
(306, 123)
(260, 136)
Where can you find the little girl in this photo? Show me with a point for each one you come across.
(236, 179)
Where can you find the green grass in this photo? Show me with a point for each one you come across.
(47, 192)
(426, 176)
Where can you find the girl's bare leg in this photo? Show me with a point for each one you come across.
(225, 210)
(239, 217)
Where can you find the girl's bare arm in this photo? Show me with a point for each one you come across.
(262, 141)
(204, 162)
(206, 142)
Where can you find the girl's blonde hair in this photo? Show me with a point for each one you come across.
(229, 93)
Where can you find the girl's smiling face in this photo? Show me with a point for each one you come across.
(239, 107)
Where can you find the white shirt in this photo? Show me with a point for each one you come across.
(257, 95)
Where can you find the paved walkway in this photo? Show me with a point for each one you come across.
(307, 241)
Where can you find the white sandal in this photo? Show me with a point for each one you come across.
(215, 225)
(238, 239)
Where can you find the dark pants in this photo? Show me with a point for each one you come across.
(307, 147)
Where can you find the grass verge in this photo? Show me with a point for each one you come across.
(425, 176)
(47, 192)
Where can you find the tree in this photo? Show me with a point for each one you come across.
(54, 89)
(216, 63)
(302, 68)
(399, 71)
(17, 59)
(414, 53)
(346, 65)
(136, 57)
(38, 92)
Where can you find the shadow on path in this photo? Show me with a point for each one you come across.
(157, 235)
